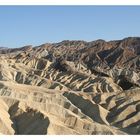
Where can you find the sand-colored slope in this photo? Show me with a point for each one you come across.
(31, 106)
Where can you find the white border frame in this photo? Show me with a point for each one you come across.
(69, 2)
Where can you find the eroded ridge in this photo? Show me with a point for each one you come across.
(71, 87)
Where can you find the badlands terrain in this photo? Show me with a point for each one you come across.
(71, 87)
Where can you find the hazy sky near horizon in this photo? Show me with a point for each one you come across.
(35, 25)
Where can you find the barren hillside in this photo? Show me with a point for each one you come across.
(71, 87)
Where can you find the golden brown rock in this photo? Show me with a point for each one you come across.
(71, 87)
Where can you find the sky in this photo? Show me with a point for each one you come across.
(35, 25)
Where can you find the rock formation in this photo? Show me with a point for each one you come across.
(71, 87)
